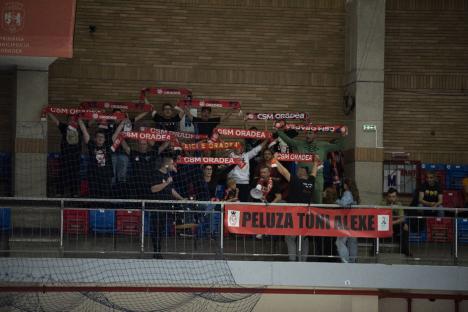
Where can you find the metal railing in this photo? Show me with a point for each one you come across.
(186, 229)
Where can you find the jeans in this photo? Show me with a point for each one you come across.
(347, 248)
(120, 165)
(291, 242)
(317, 195)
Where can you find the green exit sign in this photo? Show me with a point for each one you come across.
(368, 127)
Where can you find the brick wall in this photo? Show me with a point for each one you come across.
(426, 79)
(277, 55)
(271, 55)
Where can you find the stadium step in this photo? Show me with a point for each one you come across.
(48, 246)
(392, 258)
(30, 218)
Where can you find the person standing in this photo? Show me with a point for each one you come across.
(100, 170)
(348, 246)
(143, 160)
(70, 153)
(162, 188)
(241, 173)
(167, 120)
(313, 146)
(205, 124)
(300, 190)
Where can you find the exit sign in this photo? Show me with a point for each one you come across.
(368, 127)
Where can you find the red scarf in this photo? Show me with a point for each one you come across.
(164, 91)
(129, 106)
(209, 103)
(140, 136)
(208, 146)
(209, 161)
(67, 111)
(103, 117)
(240, 133)
(295, 157)
(277, 116)
(267, 185)
(321, 128)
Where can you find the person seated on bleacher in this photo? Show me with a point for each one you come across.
(100, 170)
(70, 153)
(430, 195)
(400, 226)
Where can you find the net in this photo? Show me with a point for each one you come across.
(106, 154)
(124, 285)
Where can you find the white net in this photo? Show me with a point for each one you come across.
(125, 285)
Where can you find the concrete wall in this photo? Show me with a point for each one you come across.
(284, 275)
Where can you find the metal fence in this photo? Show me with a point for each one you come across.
(171, 230)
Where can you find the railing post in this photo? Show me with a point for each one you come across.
(61, 225)
(456, 237)
(142, 247)
(221, 231)
(377, 246)
(300, 247)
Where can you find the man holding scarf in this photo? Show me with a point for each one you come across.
(312, 146)
(70, 153)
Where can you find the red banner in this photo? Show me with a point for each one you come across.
(240, 133)
(129, 106)
(164, 91)
(209, 103)
(210, 161)
(208, 146)
(307, 221)
(37, 28)
(276, 116)
(295, 157)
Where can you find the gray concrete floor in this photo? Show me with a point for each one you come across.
(240, 247)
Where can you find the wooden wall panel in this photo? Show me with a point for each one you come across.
(272, 55)
(426, 78)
